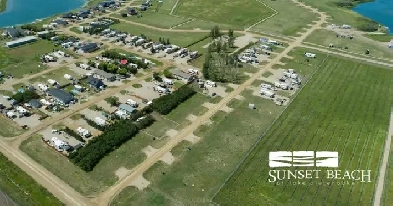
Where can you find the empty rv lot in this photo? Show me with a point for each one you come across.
(128, 59)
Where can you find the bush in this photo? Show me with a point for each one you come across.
(73, 134)
(115, 135)
(167, 103)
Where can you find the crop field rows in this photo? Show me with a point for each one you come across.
(343, 108)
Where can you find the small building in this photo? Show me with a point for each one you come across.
(83, 132)
(346, 26)
(42, 33)
(14, 32)
(60, 22)
(95, 82)
(178, 74)
(35, 103)
(60, 96)
(99, 121)
(21, 41)
(104, 75)
(128, 109)
(89, 47)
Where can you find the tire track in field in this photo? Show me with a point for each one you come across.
(357, 137)
(350, 89)
(329, 103)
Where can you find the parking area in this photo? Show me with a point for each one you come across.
(30, 121)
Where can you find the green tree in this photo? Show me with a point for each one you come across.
(168, 42)
(157, 77)
(168, 74)
(122, 71)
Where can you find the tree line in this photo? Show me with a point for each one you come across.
(165, 104)
(114, 136)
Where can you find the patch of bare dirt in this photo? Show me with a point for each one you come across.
(149, 150)
(208, 105)
(226, 109)
(192, 138)
(122, 172)
(171, 133)
(168, 158)
(140, 182)
(192, 117)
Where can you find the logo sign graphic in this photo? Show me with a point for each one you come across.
(303, 159)
(324, 166)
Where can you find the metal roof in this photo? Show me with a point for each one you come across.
(127, 108)
(61, 95)
(21, 40)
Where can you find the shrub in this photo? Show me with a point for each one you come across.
(73, 134)
(25, 96)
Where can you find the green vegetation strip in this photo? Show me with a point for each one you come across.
(344, 108)
(21, 188)
(3, 5)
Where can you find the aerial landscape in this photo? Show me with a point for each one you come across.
(184, 102)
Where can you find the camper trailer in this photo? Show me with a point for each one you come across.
(168, 81)
(132, 103)
(266, 86)
(309, 55)
(267, 93)
(210, 83)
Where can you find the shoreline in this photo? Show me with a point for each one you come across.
(3, 5)
(84, 5)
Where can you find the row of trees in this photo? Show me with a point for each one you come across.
(93, 124)
(215, 33)
(32, 27)
(114, 136)
(22, 97)
(163, 41)
(167, 103)
(74, 134)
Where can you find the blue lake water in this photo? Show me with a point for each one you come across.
(378, 10)
(27, 11)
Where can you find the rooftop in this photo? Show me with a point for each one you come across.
(61, 95)
(103, 73)
(23, 39)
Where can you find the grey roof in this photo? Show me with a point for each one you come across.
(61, 95)
(97, 83)
(35, 103)
(104, 74)
(89, 47)
(13, 32)
(22, 40)
(127, 108)
(181, 74)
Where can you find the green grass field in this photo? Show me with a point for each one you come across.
(197, 173)
(345, 108)
(355, 45)
(9, 127)
(178, 38)
(24, 60)
(157, 19)
(21, 188)
(289, 20)
(380, 37)
(238, 14)
(128, 155)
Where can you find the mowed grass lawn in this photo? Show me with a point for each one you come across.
(21, 188)
(355, 45)
(197, 174)
(177, 38)
(345, 108)
(9, 127)
(289, 20)
(239, 14)
(127, 155)
(388, 187)
(24, 60)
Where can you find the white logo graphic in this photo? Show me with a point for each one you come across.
(303, 159)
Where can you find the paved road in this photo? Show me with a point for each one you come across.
(5, 200)
(385, 162)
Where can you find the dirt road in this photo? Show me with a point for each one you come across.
(106, 197)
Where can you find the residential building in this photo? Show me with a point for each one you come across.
(60, 96)
(21, 41)
(101, 74)
(89, 47)
(60, 22)
(128, 109)
(95, 82)
(178, 74)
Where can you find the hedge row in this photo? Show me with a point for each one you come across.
(115, 135)
(167, 103)
(93, 124)
(197, 41)
(72, 133)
